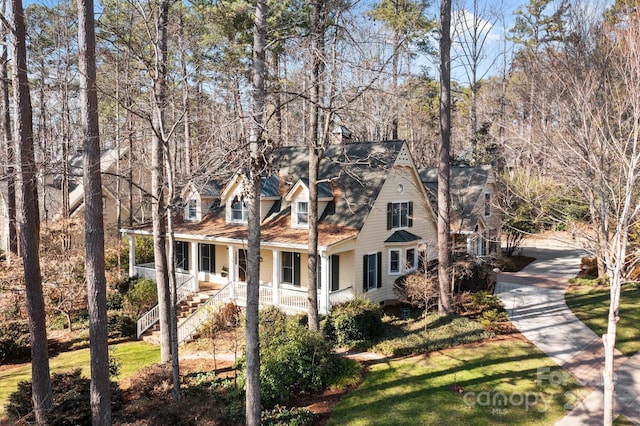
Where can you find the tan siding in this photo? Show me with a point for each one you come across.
(347, 271)
(374, 232)
(266, 266)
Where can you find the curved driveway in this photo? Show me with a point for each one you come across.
(534, 300)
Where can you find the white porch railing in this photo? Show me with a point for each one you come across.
(339, 296)
(185, 286)
(289, 299)
(190, 325)
(294, 299)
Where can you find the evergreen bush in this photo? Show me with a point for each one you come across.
(354, 321)
(14, 341)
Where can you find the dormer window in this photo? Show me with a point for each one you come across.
(302, 213)
(238, 210)
(192, 209)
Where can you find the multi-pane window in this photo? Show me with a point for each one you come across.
(291, 268)
(182, 255)
(394, 261)
(400, 215)
(192, 209)
(207, 258)
(372, 271)
(238, 210)
(303, 213)
(410, 259)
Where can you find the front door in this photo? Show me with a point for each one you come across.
(242, 265)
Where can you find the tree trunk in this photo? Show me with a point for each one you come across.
(444, 166)
(9, 149)
(609, 341)
(315, 154)
(93, 216)
(29, 219)
(157, 182)
(253, 255)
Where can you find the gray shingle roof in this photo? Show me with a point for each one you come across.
(354, 173)
(467, 186)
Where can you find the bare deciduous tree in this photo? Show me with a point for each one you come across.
(595, 140)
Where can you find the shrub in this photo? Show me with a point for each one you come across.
(354, 321)
(490, 318)
(141, 297)
(153, 381)
(293, 359)
(114, 301)
(71, 400)
(120, 325)
(14, 341)
(483, 300)
(284, 416)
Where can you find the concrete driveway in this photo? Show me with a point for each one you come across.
(534, 300)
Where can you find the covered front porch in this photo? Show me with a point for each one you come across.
(283, 273)
(289, 299)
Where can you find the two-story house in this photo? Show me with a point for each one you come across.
(375, 220)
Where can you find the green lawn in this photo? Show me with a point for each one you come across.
(495, 383)
(133, 356)
(591, 306)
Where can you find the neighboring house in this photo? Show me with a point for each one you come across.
(375, 220)
(475, 222)
(116, 192)
(132, 201)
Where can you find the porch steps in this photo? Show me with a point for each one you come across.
(184, 309)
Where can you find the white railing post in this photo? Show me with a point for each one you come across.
(195, 257)
(132, 255)
(324, 283)
(232, 262)
(275, 279)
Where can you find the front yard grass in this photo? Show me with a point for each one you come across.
(133, 356)
(493, 383)
(591, 306)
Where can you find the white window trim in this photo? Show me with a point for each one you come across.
(295, 211)
(195, 212)
(375, 285)
(399, 271)
(231, 210)
(415, 258)
(400, 226)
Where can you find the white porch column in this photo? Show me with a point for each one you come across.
(195, 256)
(132, 254)
(232, 269)
(324, 283)
(275, 279)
